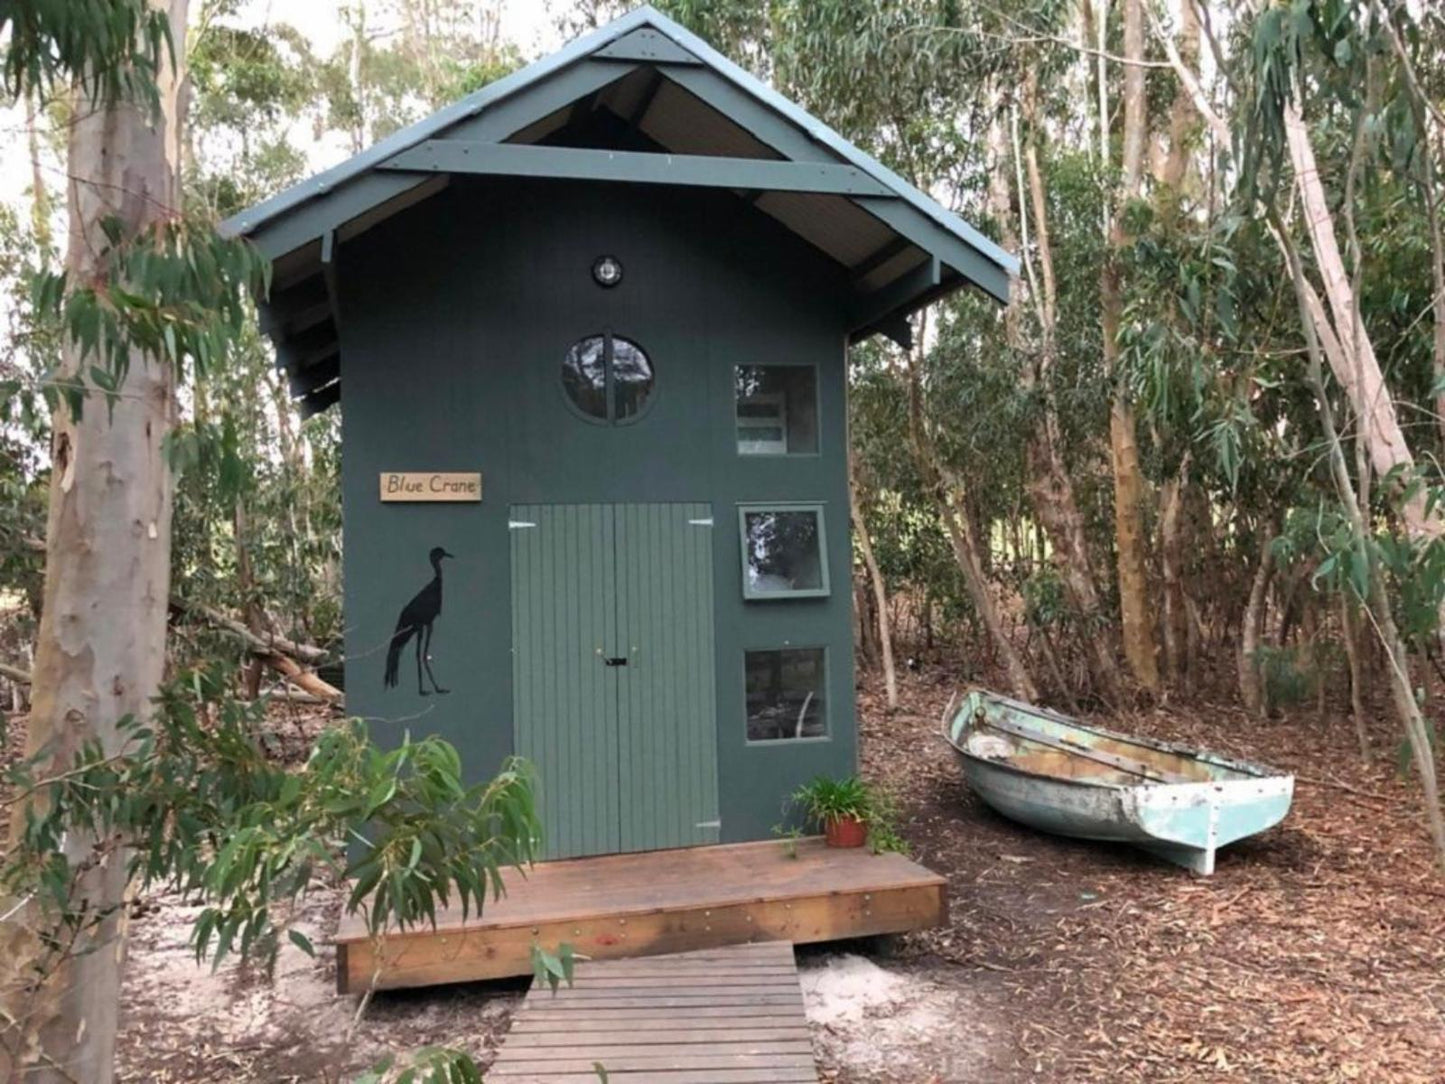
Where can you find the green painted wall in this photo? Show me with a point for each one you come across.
(455, 317)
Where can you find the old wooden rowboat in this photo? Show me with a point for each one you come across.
(1054, 773)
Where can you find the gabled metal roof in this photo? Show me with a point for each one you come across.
(679, 99)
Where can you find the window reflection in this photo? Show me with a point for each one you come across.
(584, 375)
(783, 552)
(777, 409)
(598, 363)
(786, 694)
(631, 379)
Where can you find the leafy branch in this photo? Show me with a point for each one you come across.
(113, 49)
(173, 293)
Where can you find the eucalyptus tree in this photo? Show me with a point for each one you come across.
(100, 650)
(1136, 613)
(125, 782)
(1329, 128)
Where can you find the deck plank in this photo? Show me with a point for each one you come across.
(688, 903)
(677, 1024)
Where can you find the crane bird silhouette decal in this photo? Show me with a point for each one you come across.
(416, 620)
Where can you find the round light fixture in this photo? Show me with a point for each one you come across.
(607, 270)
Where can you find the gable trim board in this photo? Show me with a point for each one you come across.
(583, 164)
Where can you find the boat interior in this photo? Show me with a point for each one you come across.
(1087, 756)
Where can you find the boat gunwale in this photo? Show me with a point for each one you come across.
(1254, 770)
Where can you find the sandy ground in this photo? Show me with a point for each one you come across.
(1316, 952)
(874, 1019)
(184, 1022)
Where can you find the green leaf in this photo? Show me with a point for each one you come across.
(301, 941)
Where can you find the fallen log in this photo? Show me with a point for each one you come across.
(262, 645)
(15, 674)
(302, 678)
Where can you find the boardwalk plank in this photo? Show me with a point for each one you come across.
(733, 1017)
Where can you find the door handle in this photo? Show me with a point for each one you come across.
(615, 660)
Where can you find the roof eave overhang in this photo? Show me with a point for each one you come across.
(303, 227)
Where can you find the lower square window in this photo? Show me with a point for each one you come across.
(786, 695)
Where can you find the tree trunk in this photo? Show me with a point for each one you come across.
(101, 644)
(246, 584)
(880, 590)
(1171, 503)
(1049, 485)
(1346, 344)
(1183, 117)
(1135, 613)
(949, 490)
(965, 552)
(1251, 633)
(39, 190)
(1350, 634)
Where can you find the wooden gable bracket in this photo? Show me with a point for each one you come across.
(635, 167)
(871, 310)
(328, 273)
(895, 327)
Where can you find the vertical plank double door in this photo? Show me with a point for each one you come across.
(613, 673)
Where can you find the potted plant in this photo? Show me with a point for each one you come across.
(841, 807)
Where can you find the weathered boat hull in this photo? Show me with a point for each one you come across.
(1185, 822)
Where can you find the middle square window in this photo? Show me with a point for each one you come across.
(784, 551)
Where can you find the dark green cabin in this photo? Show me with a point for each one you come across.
(591, 324)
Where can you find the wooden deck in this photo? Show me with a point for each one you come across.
(654, 903)
(721, 1016)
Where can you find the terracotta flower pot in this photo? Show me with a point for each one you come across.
(845, 832)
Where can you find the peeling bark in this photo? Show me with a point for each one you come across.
(1183, 116)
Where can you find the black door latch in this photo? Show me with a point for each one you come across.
(615, 660)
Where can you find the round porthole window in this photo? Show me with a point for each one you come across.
(607, 378)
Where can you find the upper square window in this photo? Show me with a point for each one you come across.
(784, 551)
(777, 409)
(608, 378)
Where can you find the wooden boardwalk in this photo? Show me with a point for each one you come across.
(718, 1016)
(629, 905)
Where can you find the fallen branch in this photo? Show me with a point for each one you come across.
(15, 674)
(262, 645)
(300, 677)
